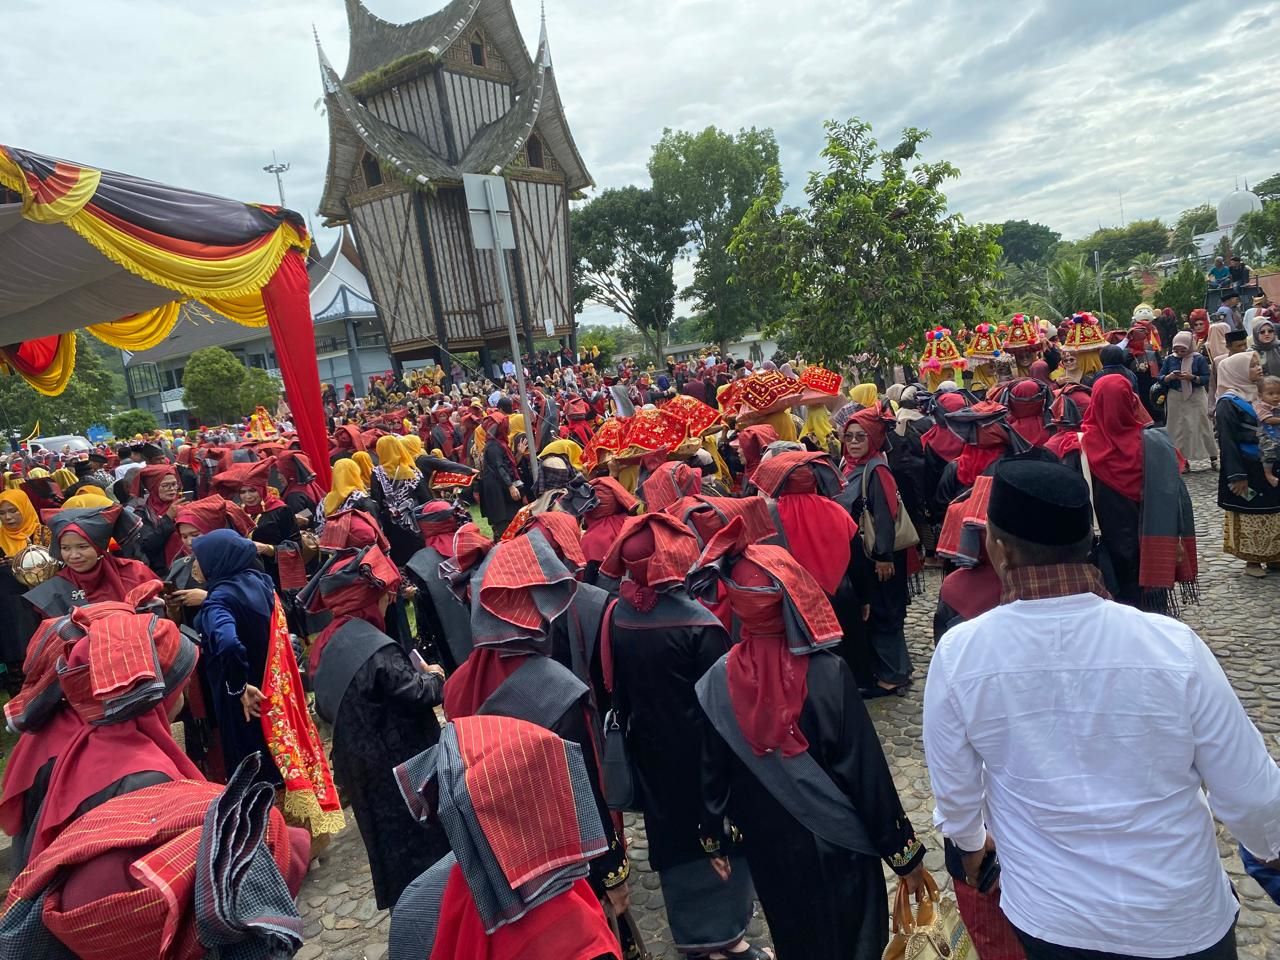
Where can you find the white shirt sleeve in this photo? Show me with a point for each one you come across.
(1242, 780)
(955, 769)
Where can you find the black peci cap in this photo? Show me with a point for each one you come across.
(1040, 502)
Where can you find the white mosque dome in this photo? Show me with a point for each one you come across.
(1235, 205)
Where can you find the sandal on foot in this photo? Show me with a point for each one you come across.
(751, 953)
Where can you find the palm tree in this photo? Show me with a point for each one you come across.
(1246, 239)
(1183, 245)
(1067, 287)
(1143, 264)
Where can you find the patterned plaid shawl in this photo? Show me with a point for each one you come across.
(517, 806)
(162, 830)
(523, 587)
(1167, 551)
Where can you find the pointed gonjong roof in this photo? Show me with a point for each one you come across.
(377, 45)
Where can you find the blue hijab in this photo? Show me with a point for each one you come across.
(229, 563)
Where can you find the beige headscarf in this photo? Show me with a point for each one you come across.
(1233, 376)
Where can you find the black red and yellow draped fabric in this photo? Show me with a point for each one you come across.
(245, 261)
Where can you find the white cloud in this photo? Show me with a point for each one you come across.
(1048, 108)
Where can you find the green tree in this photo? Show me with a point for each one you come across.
(1024, 242)
(1195, 220)
(1066, 288)
(132, 422)
(1183, 244)
(710, 179)
(1268, 190)
(1183, 290)
(259, 389)
(874, 252)
(1119, 296)
(626, 242)
(603, 339)
(1143, 264)
(85, 402)
(1122, 244)
(1258, 233)
(211, 385)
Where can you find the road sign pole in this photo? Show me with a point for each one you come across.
(511, 329)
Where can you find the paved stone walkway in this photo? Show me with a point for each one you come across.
(1237, 617)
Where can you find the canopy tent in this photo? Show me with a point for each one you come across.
(117, 256)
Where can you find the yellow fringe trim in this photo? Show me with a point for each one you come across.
(302, 809)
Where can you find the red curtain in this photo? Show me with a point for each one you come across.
(287, 299)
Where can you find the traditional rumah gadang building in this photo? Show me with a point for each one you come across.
(419, 105)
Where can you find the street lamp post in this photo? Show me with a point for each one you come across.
(276, 167)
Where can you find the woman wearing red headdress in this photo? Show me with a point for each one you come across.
(659, 643)
(274, 522)
(785, 710)
(501, 489)
(81, 538)
(605, 521)
(444, 623)
(382, 708)
(873, 603)
(1147, 542)
(124, 742)
(156, 493)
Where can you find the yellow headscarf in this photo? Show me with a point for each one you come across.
(365, 463)
(413, 443)
(95, 491)
(723, 473)
(346, 481)
(11, 541)
(564, 448)
(515, 428)
(394, 459)
(64, 478)
(817, 423)
(12, 481)
(37, 473)
(85, 499)
(865, 394)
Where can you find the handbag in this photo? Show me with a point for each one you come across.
(617, 775)
(904, 531)
(935, 930)
(632, 940)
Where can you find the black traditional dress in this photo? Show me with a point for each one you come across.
(383, 714)
(822, 902)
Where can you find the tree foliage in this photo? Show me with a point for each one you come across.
(86, 401)
(626, 242)
(211, 385)
(1067, 287)
(1195, 220)
(1121, 244)
(875, 257)
(1258, 233)
(1268, 190)
(1183, 289)
(602, 338)
(1024, 242)
(259, 389)
(710, 180)
(133, 422)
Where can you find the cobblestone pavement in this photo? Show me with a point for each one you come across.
(1237, 617)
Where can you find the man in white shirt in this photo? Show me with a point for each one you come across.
(1073, 735)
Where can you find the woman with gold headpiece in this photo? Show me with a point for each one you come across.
(20, 528)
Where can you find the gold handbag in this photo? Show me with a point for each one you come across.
(904, 531)
(934, 932)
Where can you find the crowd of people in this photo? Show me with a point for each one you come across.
(664, 590)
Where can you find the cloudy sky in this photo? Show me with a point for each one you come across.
(1050, 108)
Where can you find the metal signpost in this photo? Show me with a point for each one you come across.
(491, 229)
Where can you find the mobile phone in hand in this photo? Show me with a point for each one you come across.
(416, 658)
(989, 872)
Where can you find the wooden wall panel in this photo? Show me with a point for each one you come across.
(465, 301)
(391, 248)
(414, 107)
(473, 103)
(541, 227)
